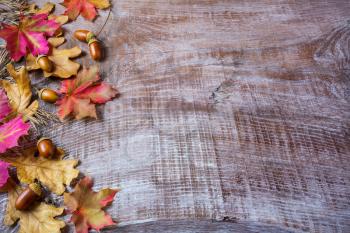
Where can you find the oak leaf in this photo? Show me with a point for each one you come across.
(86, 206)
(53, 173)
(82, 93)
(11, 131)
(30, 35)
(19, 93)
(87, 8)
(48, 8)
(39, 219)
(63, 66)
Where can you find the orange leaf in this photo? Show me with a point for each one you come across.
(87, 8)
(82, 93)
(86, 206)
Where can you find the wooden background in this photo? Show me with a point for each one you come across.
(233, 116)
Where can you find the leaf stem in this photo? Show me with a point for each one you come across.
(104, 24)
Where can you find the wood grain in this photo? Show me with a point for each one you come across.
(233, 111)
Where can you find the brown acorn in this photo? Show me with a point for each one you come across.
(46, 148)
(94, 45)
(82, 35)
(48, 95)
(30, 195)
(44, 62)
(95, 49)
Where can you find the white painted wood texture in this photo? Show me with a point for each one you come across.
(233, 111)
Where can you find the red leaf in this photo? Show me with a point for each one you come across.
(82, 93)
(30, 35)
(87, 8)
(86, 206)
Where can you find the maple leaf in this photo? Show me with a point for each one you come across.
(86, 206)
(4, 105)
(87, 8)
(39, 219)
(30, 35)
(53, 173)
(11, 131)
(82, 93)
(63, 66)
(4, 173)
(19, 93)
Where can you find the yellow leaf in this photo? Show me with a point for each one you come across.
(61, 19)
(56, 41)
(19, 93)
(46, 9)
(53, 173)
(39, 219)
(63, 66)
(101, 4)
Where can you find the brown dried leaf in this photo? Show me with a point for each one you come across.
(54, 173)
(39, 219)
(19, 93)
(63, 66)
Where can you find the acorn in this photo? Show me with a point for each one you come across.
(95, 49)
(82, 35)
(94, 45)
(48, 95)
(44, 62)
(46, 148)
(30, 195)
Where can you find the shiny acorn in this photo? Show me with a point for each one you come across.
(44, 62)
(48, 95)
(30, 195)
(46, 148)
(82, 35)
(95, 49)
(94, 45)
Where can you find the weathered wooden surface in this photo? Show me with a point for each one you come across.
(233, 111)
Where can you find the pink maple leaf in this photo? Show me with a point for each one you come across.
(30, 35)
(11, 131)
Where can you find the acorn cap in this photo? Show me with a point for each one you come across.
(36, 188)
(90, 36)
(93, 40)
(42, 139)
(41, 92)
(40, 56)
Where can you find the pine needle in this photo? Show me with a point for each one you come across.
(10, 10)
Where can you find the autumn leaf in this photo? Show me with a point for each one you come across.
(30, 35)
(39, 219)
(86, 206)
(11, 131)
(4, 105)
(53, 173)
(87, 8)
(63, 66)
(4, 173)
(48, 8)
(82, 93)
(19, 93)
